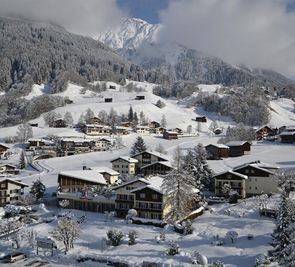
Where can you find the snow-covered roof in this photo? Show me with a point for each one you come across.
(131, 182)
(265, 126)
(154, 183)
(104, 170)
(87, 175)
(76, 140)
(97, 126)
(165, 163)
(142, 127)
(13, 181)
(153, 152)
(171, 132)
(258, 166)
(287, 133)
(10, 165)
(126, 158)
(233, 173)
(4, 145)
(123, 128)
(218, 145)
(40, 140)
(236, 143)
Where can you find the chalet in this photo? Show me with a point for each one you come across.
(127, 124)
(264, 131)
(3, 151)
(121, 130)
(154, 124)
(59, 123)
(143, 130)
(262, 178)
(156, 168)
(112, 87)
(140, 97)
(177, 130)
(38, 144)
(8, 169)
(287, 137)
(169, 135)
(148, 157)
(160, 130)
(110, 176)
(201, 119)
(95, 120)
(10, 190)
(148, 201)
(97, 130)
(237, 182)
(239, 148)
(125, 165)
(124, 198)
(79, 187)
(287, 129)
(102, 144)
(72, 146)
(217, 151)
(108, 100)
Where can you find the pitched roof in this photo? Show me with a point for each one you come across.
(4, 145)
(287, 133)
(154, 183)
(155, 153)
(256, 166)
(165, 163)
(87, 175)
(218, 145)
(236, 143)
(131, 182)
(10, 165)
(233, 173)
(14, 181)
(104, 170)
(126, 158)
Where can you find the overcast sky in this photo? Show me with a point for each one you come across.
(258, 33)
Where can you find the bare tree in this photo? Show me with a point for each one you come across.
(67, 231)
(24, 132)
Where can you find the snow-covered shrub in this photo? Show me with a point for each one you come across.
(115, 236)
(173, 249)
(262, 260)
(232, 235)
(132, 235)
(198, 258)
(131, 213)
(188, 227)
(217, 264)
(160, 104)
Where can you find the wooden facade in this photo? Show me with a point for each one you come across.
(7, 169)
(170, 135)
(287, 137)
(201, 119)
(3, 151)
(156, 168)
(217, 151)
(148, 203)
(264, 131)
(238, 149)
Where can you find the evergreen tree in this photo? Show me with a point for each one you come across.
(22, 160)
(179, 195)
(281, 235)
(68, 118)
(130, 114)
(81, 120)
(163, 121)
(89, 115)
(202, 172)
(38, 189)
(138, 146)
(135, 118)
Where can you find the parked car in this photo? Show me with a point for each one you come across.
(14, 257)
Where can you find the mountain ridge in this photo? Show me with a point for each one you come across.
(139, 42)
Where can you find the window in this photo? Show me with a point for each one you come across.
(154, 196)
(246, 171)
(252, 171)
(142, 195)
(3, 185)
(250, 187)
(255, 187)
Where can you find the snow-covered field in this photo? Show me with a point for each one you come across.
(243, 218)
(241, 253)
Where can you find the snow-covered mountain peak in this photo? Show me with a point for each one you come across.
(130, 34)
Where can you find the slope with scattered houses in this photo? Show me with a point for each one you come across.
(71, 161)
